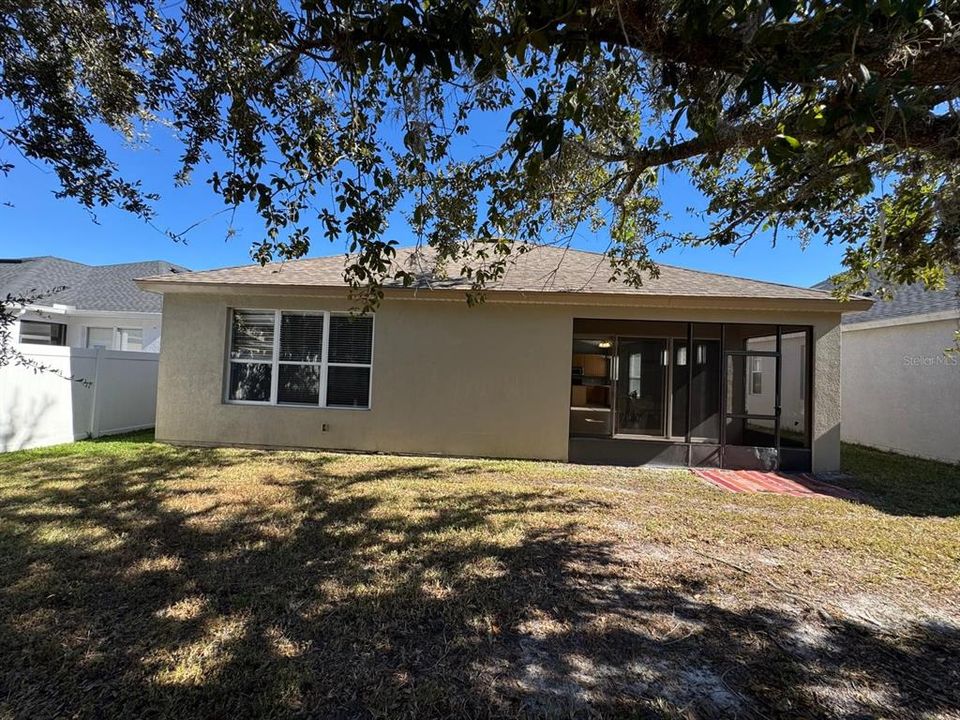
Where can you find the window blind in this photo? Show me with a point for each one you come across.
(301, 337)
(250, 381)
(42, 333)
(299, 384)
(348, 386)
(252, 334)
(98, 337)
(351, 339)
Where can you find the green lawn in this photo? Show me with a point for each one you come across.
(138, 579)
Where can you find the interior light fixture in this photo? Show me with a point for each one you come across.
(604, 344)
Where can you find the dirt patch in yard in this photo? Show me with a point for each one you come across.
(681, 649)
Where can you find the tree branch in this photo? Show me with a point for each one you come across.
(931, 133)
(794, 53)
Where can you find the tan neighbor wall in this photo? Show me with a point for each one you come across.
(492, 380)
(902, 393)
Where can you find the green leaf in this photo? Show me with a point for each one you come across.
(783, 9)
(539, 40)
(551, 143)
(791, 142)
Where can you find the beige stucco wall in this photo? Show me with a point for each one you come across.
(491, 380)
(901, 391)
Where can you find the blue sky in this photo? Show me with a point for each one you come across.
(37, 223)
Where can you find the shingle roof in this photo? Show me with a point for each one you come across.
(541, 269)
(907, 300)
(86, 287)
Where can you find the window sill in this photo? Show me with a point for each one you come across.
(287, 406)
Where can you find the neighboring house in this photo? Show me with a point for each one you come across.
(87, 306)
(557, 363)
(901, 391)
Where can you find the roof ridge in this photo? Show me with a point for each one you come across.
(660, 264)
(739, 277)
(231, 267)
(39, 258)
(133, 262)
(415, 248)
(581, 271)
(669, 265)
(684, 269)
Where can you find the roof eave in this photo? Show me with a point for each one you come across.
(85, 311)
(824, 304)
(897, 320)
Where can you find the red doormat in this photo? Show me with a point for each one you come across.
(796, 484)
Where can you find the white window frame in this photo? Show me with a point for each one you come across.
(275, 362)
(803, 373)
(119, 337)
(756, 373)
(39, 321)
(116, 336)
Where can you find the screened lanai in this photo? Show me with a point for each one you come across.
(732, 395)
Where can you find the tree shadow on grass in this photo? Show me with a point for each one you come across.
(152, 588)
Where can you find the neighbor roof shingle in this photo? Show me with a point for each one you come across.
(86, 287)
(541, 269)
(907, 300)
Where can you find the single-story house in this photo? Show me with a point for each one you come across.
(85, 306)
(901, 390)
(558, 363)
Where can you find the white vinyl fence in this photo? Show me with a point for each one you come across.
(43, 408)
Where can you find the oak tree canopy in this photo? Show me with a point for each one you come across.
(803, 121)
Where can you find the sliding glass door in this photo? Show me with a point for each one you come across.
(642, 375)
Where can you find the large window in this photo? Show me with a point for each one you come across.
(43, 333)
(317, 359)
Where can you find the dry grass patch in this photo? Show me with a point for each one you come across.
(138, 579)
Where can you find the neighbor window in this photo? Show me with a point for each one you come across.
(300, 358)
(99, 338)
(43, 333)
(131, 338)
(756, 377)
(803, 371)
